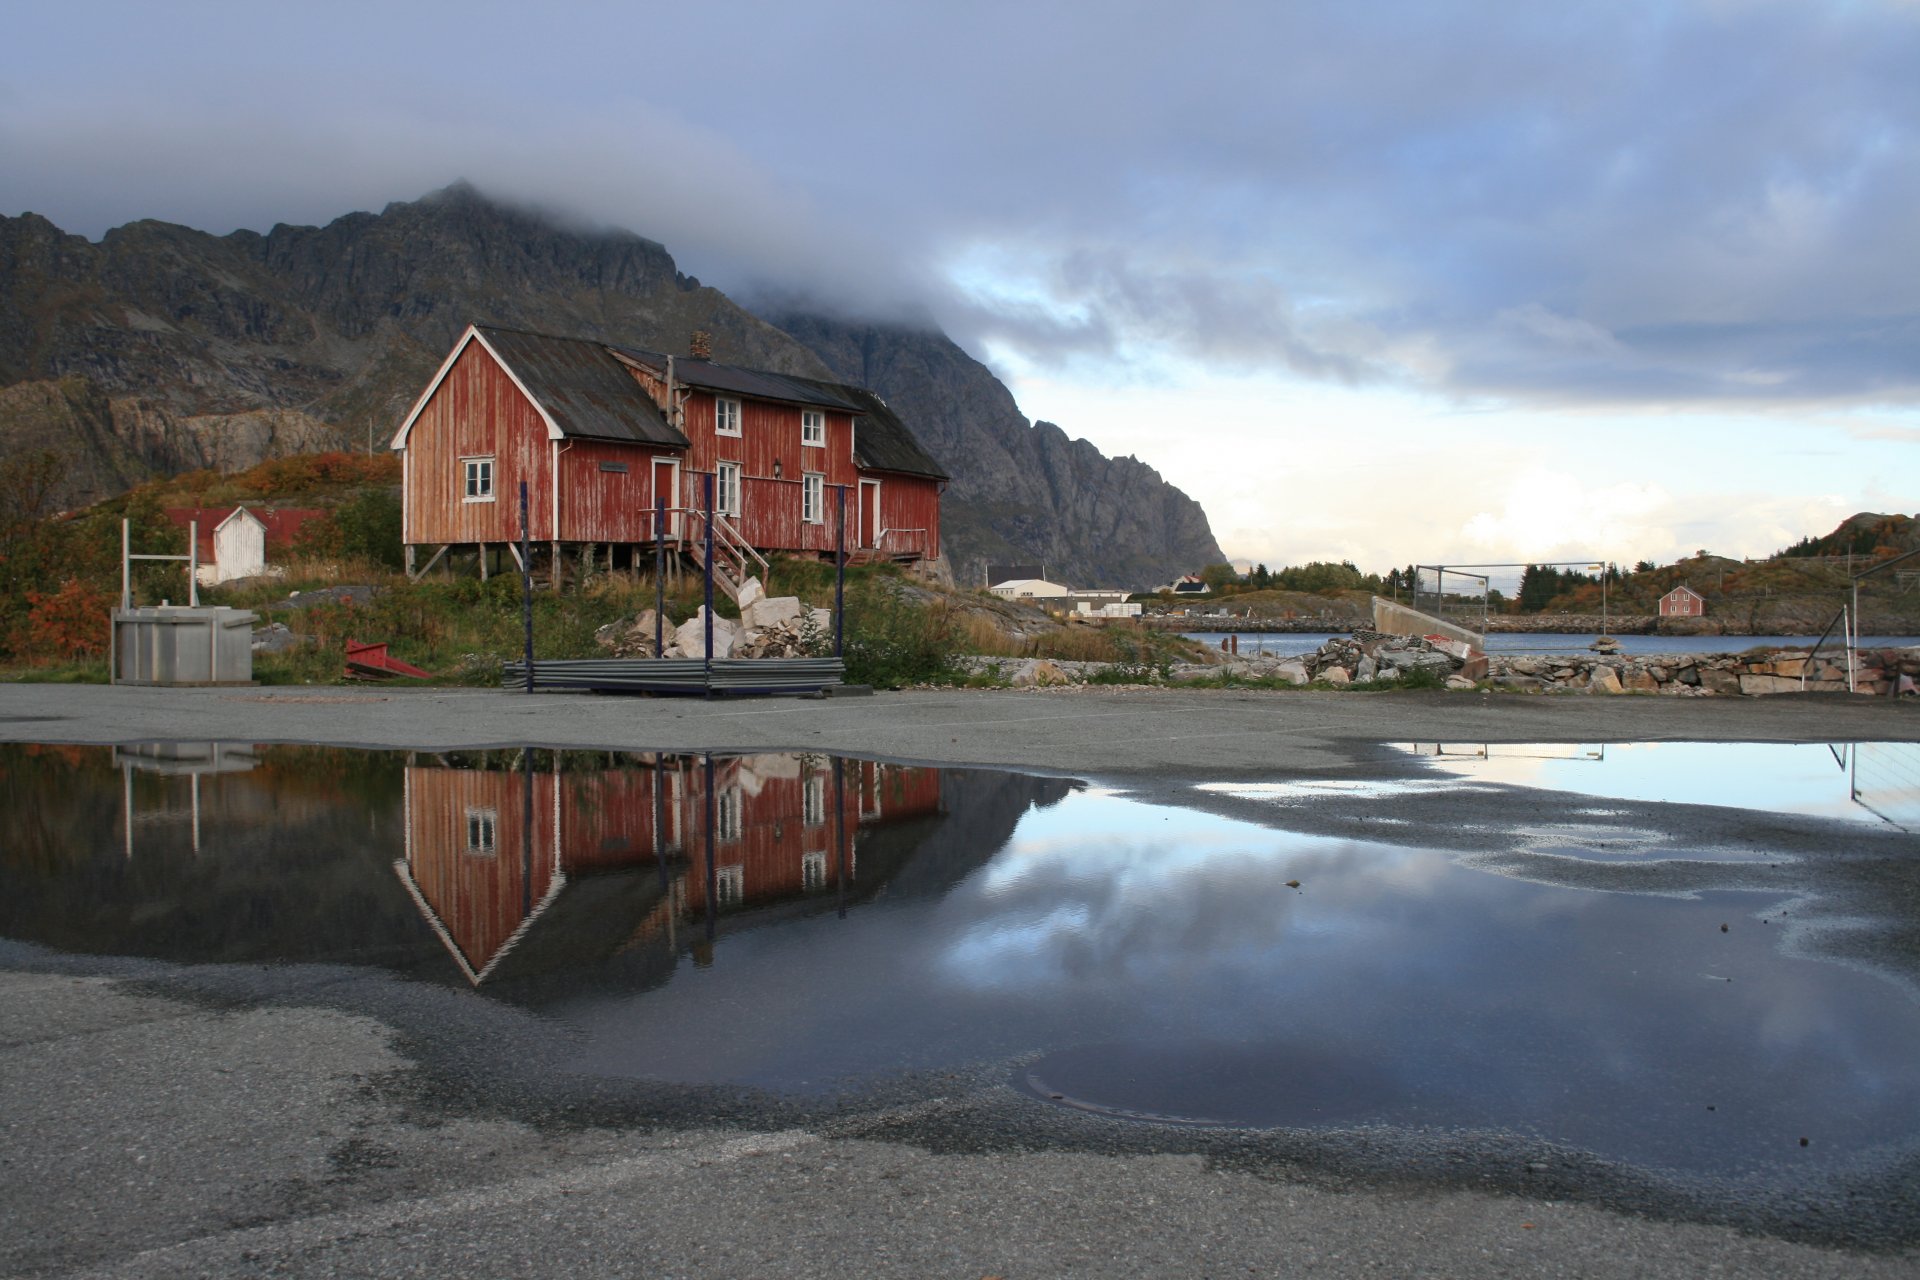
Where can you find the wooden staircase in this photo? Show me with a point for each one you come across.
(734, 560)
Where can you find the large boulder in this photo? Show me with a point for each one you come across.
(690, 638)
(770, 611)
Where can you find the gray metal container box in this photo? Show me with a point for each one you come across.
(173, 644)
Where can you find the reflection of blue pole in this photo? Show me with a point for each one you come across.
(709, 659)
(840, 825)
(660, 820)
(713, 872)
(526, 833)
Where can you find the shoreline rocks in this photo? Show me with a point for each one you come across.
(1369, 656)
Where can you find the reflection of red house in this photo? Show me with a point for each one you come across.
(489, 850)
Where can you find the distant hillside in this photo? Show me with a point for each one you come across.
(1865, 534)
(162, 348)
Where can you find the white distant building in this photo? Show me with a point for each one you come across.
(1110, 609)
(1029, 589)
(235, 543)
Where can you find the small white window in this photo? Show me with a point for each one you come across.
(479, 479)
(730, 885)
(726, 488)
(813, 872)
(726, 823)
(813, 800)
(813, 427)
(482, 829)
(726, 417)
(813, 498)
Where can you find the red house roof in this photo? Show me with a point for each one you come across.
(283, 524)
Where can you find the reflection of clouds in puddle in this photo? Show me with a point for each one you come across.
(1810, 779)
(1199, 890)
(1321, 789)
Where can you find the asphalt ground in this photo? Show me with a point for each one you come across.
(166, 1120)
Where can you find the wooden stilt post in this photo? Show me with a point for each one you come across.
(709, 613)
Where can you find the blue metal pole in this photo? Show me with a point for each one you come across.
(526, 584)
(659, 574)
(840, 580)
(709, 646)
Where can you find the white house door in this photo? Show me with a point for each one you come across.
(870, 513)
(666, 487)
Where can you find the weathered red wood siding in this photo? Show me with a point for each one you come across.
(770, 508)
(607, 506)
(476, 411)
(909, 515)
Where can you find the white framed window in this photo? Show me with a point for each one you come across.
(726, 820)
(477, 479)
(813, 498)
(726, 488)
(482, 831)
(726, 417)
(813, 800)
(730, 885)
(813, 872)
(813, 427)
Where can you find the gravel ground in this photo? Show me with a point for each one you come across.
(314, 1121)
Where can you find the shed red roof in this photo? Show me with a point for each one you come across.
(283, 524)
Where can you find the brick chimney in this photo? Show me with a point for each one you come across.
(701, 345)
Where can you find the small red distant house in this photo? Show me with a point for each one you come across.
(1682, 602)
(234, 542)
(603, 436)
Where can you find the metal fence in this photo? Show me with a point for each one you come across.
(678, 675)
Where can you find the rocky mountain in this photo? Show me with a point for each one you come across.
(161, 348)
(1021, 491)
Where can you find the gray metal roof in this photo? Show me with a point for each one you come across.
(587, 391)
(758, 384)
(881, 442)
(591, 393)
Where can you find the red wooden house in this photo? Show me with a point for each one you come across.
(1682, 602)
(606, 437)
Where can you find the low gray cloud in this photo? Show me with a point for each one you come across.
(1553, 203)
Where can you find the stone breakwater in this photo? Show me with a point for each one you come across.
(1369, 656)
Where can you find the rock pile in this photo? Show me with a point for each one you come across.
(1377, 655)
(1695, 674)
(769, 627)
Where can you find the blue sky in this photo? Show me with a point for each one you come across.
(1388, 282)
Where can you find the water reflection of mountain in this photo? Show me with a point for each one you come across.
(541, 873)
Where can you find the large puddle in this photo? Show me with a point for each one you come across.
(809, 924)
